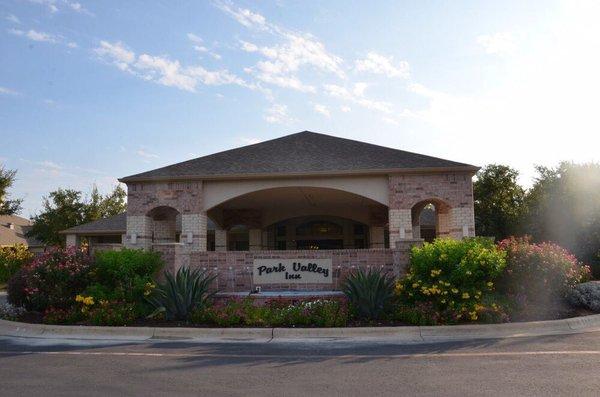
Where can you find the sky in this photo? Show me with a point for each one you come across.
(94, 91)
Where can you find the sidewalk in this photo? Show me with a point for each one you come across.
(397, 335)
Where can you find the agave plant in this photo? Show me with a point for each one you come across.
(182, 294)
(369, 293)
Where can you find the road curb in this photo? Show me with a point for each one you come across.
(400, 335)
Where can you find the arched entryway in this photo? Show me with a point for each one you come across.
(165, 226)
(301, 218)
(430, 219)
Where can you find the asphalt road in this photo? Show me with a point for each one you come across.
(542, 366)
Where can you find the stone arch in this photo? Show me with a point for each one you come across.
(373, 188)
(165, 225)
(441, 216)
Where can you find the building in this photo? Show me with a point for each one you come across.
(305, 198)
(13, 230)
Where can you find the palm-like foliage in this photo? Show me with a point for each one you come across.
(181, 294)
(370, 293)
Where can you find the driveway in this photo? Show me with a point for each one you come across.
(547, 365)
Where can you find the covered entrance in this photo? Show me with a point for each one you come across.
(299, 218)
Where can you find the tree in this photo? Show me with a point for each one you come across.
(7, 206)
(65, 208)
(563, 206)
(498, 201)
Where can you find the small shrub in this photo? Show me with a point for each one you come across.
(124, 276)
(16, 288)
(12, 259)
(182, 294)
(369, 293)
(53, 315)
(112, 313)
(10, 312)
(585, 295)
(539, 275)
(275, 313)
(51, 280)
(450, 281)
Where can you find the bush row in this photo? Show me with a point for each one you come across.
(447, 282)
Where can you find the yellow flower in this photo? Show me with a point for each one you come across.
(490, 284)
(468, 273)
(454, 291)
(466, 295)
(473, 315)
(415, 285)
(443, 301)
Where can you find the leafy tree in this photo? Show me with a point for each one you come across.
(7, 206)
(498, 201)
(564, 206)
(65, 208)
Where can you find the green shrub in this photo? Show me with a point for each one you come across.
(182, 294)
(126, 275)
(12, 259)
(451, 281)
(539, 275)
(369, 293)
(51, 280)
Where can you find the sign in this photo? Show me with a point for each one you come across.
(296, 271)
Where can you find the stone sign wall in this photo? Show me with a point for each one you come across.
(279, 271)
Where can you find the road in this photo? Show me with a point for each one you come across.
(556, 365)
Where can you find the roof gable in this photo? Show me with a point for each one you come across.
(301, 153)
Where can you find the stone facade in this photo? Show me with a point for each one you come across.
(450, 193)
(170, 217)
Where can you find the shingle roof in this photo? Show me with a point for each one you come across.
(301, 153)
(116, 224)
(16, 235)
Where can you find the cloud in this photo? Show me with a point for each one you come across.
(13, 18)
(380, 64)
(55, 6)
(200, 47)
(35, 35)
(8, 91)
(322, 109)
(281, 63)
(72, 44)
(356, 95)
(145, 154)
(163, 70)
(277, 114)
(345, 109)
(244, 16)
(502, 43)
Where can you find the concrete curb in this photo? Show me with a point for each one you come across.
(399, 335)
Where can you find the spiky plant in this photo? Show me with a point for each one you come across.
(369, 293)
(182, 294)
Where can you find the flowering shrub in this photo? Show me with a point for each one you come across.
(236, 312)
(52, 279)
(539, 274)
(450, 281)
(11, 260)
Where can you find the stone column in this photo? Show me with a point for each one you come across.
(255, 239)
(220, 240)
(462, 222)
(72, 240)
(139, 232)
(377, 237)
(400, 225)
(193, 231)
